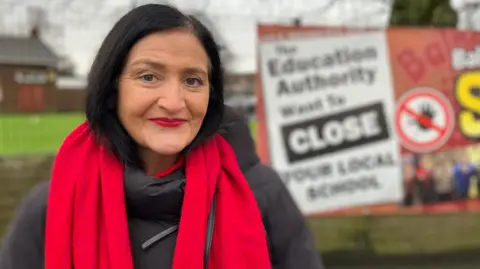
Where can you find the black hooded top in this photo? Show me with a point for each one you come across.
(290, 241)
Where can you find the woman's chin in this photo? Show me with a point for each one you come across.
(168, 149)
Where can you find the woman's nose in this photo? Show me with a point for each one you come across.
(172, 98)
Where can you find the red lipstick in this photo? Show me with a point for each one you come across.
(168, 122)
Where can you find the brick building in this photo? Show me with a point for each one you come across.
(31, 78)
(27, 75)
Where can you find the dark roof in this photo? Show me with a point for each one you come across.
(25, 51)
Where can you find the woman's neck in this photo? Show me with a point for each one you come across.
(155, 163)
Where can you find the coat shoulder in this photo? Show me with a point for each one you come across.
(265, 183)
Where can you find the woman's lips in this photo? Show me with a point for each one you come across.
(168, 122)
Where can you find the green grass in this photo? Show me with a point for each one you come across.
(253, 129)
(397, 235)
(35, 133)
(395, 242)
(43, 133)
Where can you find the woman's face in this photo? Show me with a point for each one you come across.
(408, 171)
(164, 91)
(426, 161)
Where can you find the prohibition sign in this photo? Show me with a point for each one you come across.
(424, 120)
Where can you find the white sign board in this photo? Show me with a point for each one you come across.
(329, 109)
(31, 77)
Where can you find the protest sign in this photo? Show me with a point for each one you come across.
(359, 120)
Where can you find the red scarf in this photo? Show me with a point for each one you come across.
(87, 222)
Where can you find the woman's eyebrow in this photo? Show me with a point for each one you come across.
(157, 65)
(149, 63)
(195, 70)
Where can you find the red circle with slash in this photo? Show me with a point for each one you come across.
(424, 120)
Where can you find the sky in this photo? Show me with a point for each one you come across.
(76, 28)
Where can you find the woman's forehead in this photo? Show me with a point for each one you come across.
(178, 48)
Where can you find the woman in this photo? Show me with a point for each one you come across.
(424, 180)
(442, 178)
(409, 181)
(155, 178)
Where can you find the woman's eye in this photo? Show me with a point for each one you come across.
(193, 82)
(148, 78)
